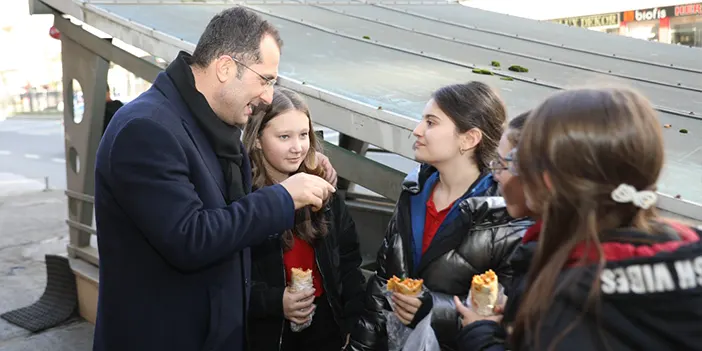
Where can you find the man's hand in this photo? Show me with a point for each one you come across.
(297, 306)
(406, 307)
(468, 316)
(329, 171)
(306, 189)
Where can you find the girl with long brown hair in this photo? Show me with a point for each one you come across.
(479, 336)
(281, 141)
(608, 273)
(450, 222)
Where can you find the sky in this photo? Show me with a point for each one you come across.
(550, 9)
(29, 51)
(17, 27)
(37, 61)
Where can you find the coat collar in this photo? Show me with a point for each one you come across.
(164, 84)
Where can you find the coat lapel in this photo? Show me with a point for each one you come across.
(164, 84)
(246, 171)
(207, 154)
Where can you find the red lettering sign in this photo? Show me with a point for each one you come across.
(688, 10)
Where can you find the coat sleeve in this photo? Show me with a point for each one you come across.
(149, 176)
(504, 243)
(370, 333)
(352, 280)
(484, 335)
(565, 328)
(561, 323)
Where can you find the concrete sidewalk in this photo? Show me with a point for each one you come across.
(31, 226)
(37, 115)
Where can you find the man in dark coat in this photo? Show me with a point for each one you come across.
(175, 216)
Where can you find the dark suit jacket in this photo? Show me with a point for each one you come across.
(174, 258)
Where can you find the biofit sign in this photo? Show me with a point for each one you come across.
(651, 14)
(647, 14)
(659, 13)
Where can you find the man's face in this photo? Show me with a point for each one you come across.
(238, 95)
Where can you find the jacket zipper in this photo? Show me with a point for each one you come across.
(285, 284)
(401, 226)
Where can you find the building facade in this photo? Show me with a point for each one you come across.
(678, 24)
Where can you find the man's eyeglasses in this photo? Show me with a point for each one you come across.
(506, 163)
(268, 82)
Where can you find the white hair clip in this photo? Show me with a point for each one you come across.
(625, 193)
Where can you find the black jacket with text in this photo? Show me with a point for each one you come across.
(650, 298)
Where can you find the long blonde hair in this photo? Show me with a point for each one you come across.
(309, 225)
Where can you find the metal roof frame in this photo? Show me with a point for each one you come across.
(386, 129)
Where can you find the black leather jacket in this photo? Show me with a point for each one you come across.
(482, 236)
(338, 259)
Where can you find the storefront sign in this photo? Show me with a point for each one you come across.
(659, 13)
(688, 10)
(605, 20)
(647, 14)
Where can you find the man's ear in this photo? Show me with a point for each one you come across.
(222, 66)
(471, 138)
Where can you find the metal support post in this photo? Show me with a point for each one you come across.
(84, 71)
(355, 145)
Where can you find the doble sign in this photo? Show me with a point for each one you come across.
(688, 10)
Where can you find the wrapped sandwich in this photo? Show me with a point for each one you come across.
(484, 292)
(407, 286)
(301, 280)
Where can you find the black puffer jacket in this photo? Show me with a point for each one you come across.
(480, 236)
(338, 259)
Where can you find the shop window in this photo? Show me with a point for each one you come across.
(689, 34)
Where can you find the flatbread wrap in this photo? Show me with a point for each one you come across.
(301, 279)
(484, 292)
(407, 286)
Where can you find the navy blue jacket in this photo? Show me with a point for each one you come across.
(174, 258)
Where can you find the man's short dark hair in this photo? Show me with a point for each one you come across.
(235, 31)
